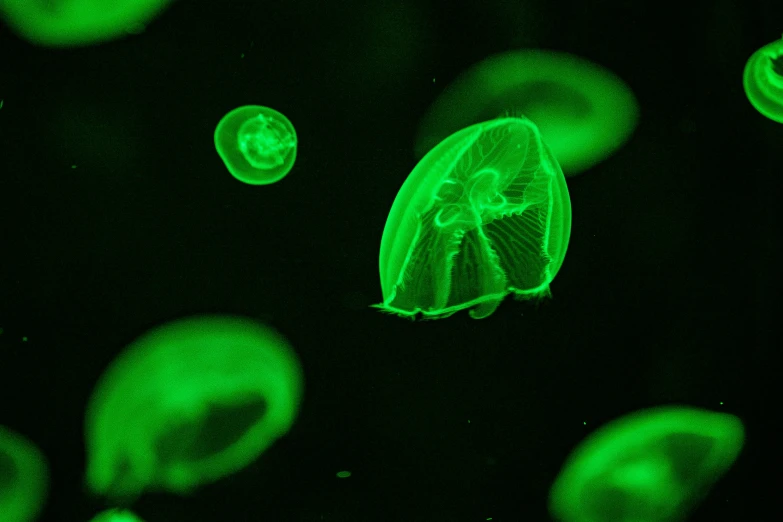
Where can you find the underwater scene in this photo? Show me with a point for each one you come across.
(394, 261)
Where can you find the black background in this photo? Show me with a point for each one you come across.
(667, 294)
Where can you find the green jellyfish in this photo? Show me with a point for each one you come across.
(763, 80)
(70, 23)
(257, 144)
(116, 515)
(24, 478)
(651, 466)
(584, 111)
(484, 214)
(188, 403)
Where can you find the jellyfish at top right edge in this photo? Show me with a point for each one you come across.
(653, 465)
(584, 112)
(763, 80)
(484, 214)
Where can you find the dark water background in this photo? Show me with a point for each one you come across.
(668, 293)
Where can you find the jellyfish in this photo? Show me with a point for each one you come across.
(116, 515)
(24, 478)
(187, 403)
(584, 111)
(72, 23)
(257, 144)
(763, 80)
(484, 214)
(651, 466)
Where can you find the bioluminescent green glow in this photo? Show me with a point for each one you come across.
(188, 403)
(67, 23)
(651, 466)
(257, 144)
(116, 515)
(763, 80)
(24, 478)
(484, 214)
(584, 111)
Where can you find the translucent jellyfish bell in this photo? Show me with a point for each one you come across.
(24, 478)
(70, 23)
(584, 111)
(188, 403)
(484, 214)
(651, 466)
(257, 144)
(763, 80)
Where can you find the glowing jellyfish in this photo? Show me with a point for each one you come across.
(650, 466)
(257, 144)
(24, 478)
(584, 112)
(188, 403)
(67, 23)
(763, 80)
(116, 515)
(484, 214)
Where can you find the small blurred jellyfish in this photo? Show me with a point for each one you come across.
(72, 23)
(187, 403)
(584, 111)
(24, 478)
(484, 214)
(654, 465)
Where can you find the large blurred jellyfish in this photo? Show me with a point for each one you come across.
(24, 478)
(763, 80)
(651, 466)
(584, 111)
(484, 214)
(70, 23)
(188, 403)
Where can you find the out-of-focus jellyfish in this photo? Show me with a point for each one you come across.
(116, 515)
(257, 144)
(70, 23)
(763, 80)
(584, 111)
(188, 403)
(651, 466)
(24, 478)
(484, 214)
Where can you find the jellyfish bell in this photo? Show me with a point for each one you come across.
(188, 403)
(73, 23)
(24, 478)
(583, 111)
(257, 144)
(651, 466)
(763, 80)
(484, 214)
